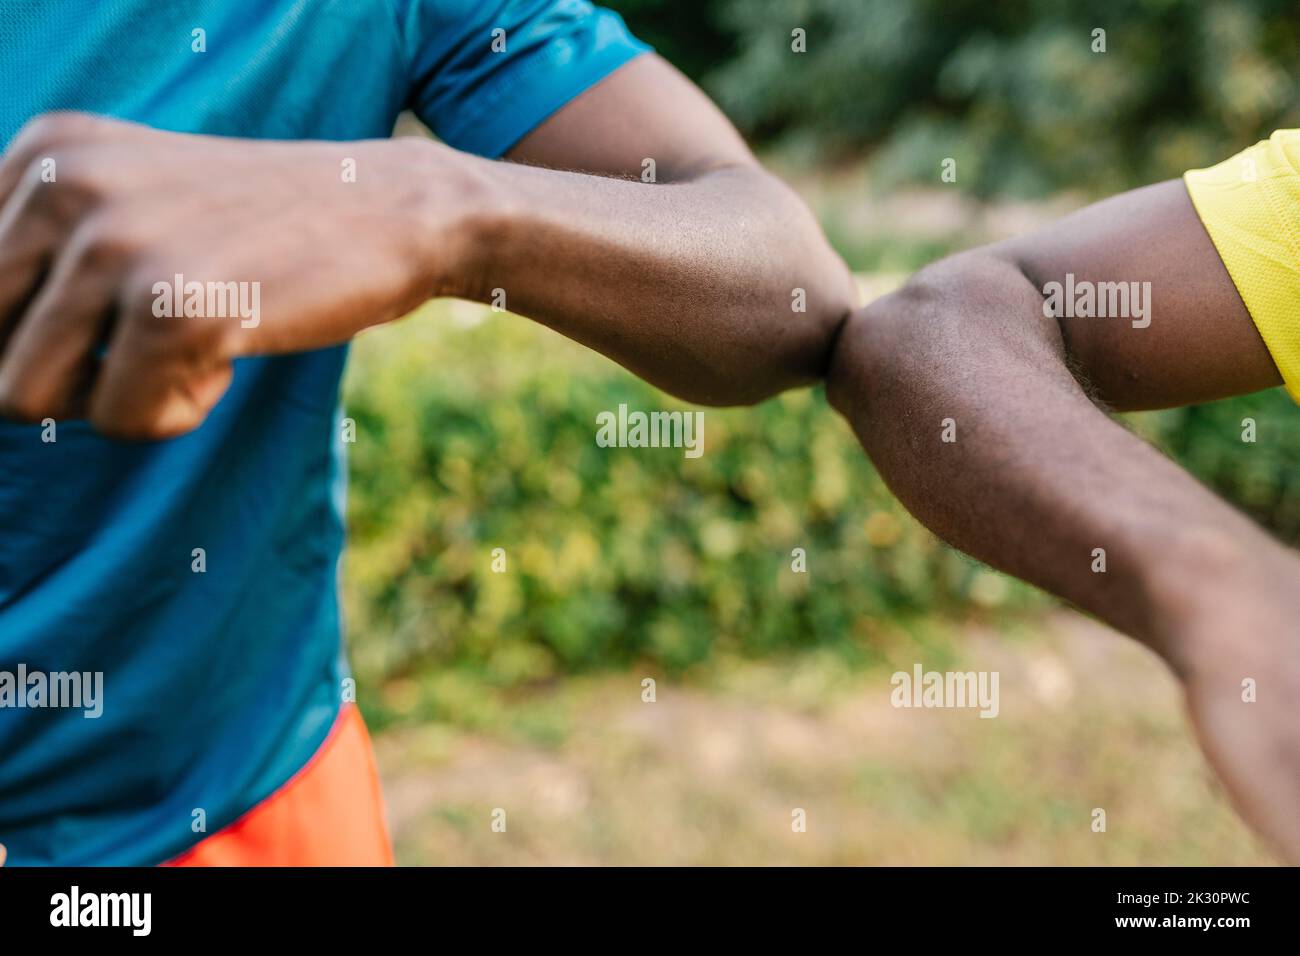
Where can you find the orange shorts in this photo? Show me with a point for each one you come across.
(330, 813)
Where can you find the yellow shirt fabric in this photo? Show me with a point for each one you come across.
(1250, 205)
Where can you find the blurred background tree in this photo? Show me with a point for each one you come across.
(1013, 90)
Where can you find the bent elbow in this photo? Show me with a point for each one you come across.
(976, 304)
(775, 350)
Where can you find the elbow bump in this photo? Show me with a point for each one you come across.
(963, 302)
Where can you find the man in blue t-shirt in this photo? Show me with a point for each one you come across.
(199, 207)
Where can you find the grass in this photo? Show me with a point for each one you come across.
(712, 770)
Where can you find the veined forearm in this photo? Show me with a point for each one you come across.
(720, 289)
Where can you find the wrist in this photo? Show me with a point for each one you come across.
(456, 211)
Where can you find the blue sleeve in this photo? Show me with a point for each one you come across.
(482, 90)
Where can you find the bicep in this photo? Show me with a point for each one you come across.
(1200, 344)
(645, 110)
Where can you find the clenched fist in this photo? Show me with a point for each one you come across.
(136, 264)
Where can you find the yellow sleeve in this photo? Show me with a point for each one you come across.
(1250, 205)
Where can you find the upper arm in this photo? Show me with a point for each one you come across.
(1201, 343)
(646, 110)
(558, 83)
(484, 73)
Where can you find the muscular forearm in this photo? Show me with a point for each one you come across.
(718, 287)
(1036, 478)
(1038, 481)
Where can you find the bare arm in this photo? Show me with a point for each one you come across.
(1200, 344)
(1038, 476)
(691, 281)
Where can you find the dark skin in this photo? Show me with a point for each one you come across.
(687, 280)
(1040, 475)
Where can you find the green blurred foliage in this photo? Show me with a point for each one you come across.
(477, 431)
(483, 436)
(1012, 90)
(690, 33)
(1259, 476)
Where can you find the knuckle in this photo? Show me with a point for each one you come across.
(107, 242)
(140, 290)
(75, 188)
(48, 134)
(48, 128)
(37, 164)
(80, 177)
(148, 302)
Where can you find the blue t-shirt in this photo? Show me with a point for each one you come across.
(218, 686)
